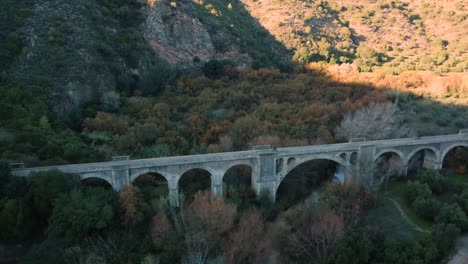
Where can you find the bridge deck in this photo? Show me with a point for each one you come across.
(250, 154)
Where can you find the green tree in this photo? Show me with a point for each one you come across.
(462, 200)
(4, 173)
(51, 251)
(356, 248)
(409, 251)
(427, 207)
(81, 212)
(44, 122)
(150, 259)
(45, 187)
(415, 190)
(213, 69)
(366, 58)
(452, 214)
(444, 236)
(436, 182)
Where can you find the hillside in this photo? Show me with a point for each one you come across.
(81, 51)
(404, 35)
(190, 33)
(85, 80)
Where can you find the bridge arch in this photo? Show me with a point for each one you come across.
(237, 182)
(193, 180)
(353, 158)
(141, 172)
(96, 181)
(423, 157)
(234, 164)
(279, 164)
(434, 150)
(392, 150)
(291, 163)
(343, 155)
(451, 147)
(299, 161)
(387, 163)
(308, 174)
(153, 186)
(460, 164)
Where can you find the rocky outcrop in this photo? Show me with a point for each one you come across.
(176, 36)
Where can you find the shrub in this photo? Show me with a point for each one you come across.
(426, 207)
(366, 58)
(355, 248)
(4, 173)
(46, 187)
(213, 69)
(416, 190)
(452, 214)
(81, 212)
(462, 200)
(444, 236)
(436, 182)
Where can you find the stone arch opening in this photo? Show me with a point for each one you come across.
(96, 182)
(353, 158)
(291, 163)
(305, 180)
(193, 181)
(279, 165)
(422, 158)
(343, 156)
(455, 160)
(153, 185)
(387, 165)
(237, 184)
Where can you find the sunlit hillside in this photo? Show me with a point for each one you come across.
(393, 35)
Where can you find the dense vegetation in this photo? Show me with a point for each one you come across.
(393, 36)
(79, 223)
(78, 83)
(199, 115)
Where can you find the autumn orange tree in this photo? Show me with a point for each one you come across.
(317, 238)
(202, 224)
(348, 201)
(132, 204)
(248, 243)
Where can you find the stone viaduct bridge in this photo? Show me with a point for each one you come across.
(269, 165)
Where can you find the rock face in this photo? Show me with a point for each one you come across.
(62, 55)
(176, 36)
(84, 50)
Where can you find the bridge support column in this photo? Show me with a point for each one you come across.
(365, 165)
(217, 183)
(266, 174)
(437, 165)
(173, 192)
(350, 174)
(430, 161)
(120, 177)
(404, 170)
